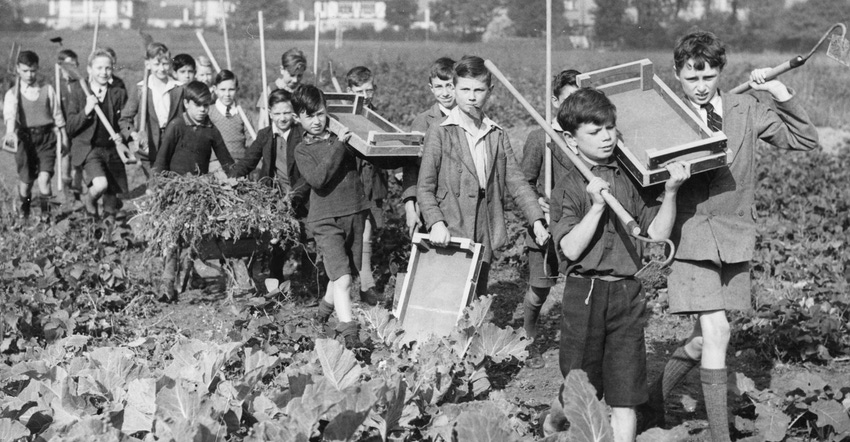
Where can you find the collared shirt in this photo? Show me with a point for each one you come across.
(161, 98)
(32, 93)
(311, 139)
(444, 109)
(716, 101)
(97, 90)
(612, 252)
(281, 159)
(475, 140)
(224, 109)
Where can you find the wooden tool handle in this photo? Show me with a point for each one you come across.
(209, 53)
(57, 82)
(13, 128)
(773, 73)
(246, 122)
(144, 105)
(265, 80)
(624, 216)
(127, 156)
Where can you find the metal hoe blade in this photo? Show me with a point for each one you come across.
(839, 49)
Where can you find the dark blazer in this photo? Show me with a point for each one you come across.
(131, 110)
(448, 184)
(263, 148)
(715, 211)
(410, 172)
(87, 129)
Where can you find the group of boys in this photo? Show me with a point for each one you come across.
(458, 188)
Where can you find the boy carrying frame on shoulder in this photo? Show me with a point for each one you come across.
(338, 205)
(604, 309)
(467, 164)
(543, 261)
(440, 82)
(36, 114)
(715, 227)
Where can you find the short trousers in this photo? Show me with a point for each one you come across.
(602, 333)
(701, 286)
(340, 242)
(105, 162)
(37, 153)
(543, 266)
(376, 214)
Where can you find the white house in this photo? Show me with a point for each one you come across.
(76, 14)
(339, 15)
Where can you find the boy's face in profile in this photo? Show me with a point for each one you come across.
(594, 142)
(185, 75)
(282, 115)
(159, 67)
(471, 95)
(444, 91)
(366, 89)
(100, 70)
(699, 85)
(197, 112)
(314, 123)
(27, 73)
(291, 79)
(204, 75)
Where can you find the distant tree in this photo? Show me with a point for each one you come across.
(529, 17)
(610, 20)
(800, 27)
(244, 16)
(10, 14)
(401, 13)
(470, 18)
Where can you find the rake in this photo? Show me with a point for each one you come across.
(838, 50)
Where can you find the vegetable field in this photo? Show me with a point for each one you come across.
(88, 354)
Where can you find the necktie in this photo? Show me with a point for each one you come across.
(227, 111)
(715, 122)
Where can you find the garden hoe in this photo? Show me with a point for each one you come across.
(838, 50)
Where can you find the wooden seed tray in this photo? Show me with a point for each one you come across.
(371, 134)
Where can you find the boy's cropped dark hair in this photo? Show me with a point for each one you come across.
(704, 47)
(586, 106)
(279, 96)
(293, 61)
(28, 58)
(198, 93)
(358, 76)
(182, 60)
(564, 79)
(111, 52)
(443, 69)
(308, 99)
(155, 51)
(472, 66)
(67, 56)
(224, 75)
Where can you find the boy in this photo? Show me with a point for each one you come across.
(184, 68)
(187, 144)
(71, 178)
(440, 84)
(543, 261)
(359, 81)
(715, 228)
(293, 63)
(38, 126)
(205, 73)
(224, 115)
(95, 152)
(165, 103)
(275, 146)
(604, 310)
(338, 205)
(467, 163)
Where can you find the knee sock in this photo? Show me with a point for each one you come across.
(714, 391)
(679, 365)
(531, 306)
(366, 280)
(326, 309)
(350, 332)
(44, 203)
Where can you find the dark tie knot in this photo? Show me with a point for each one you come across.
(708, 107)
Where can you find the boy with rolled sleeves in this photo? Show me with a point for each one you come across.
(95, 151)
(715, 228)
(338, 205)
(440, 83)
(604, 309)
(543, 261)
(36, 114)
(275, 146)
(360, 81)
(467, 164)
(165, 104)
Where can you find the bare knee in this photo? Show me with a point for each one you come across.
(98, 185)
(716, 330)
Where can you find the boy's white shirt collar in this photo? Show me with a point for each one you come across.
(444, 109)
(223, 109)
(171, 84)
(716, 102)
(455, 119)
(285, 135)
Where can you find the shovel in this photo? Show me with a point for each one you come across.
(838, 50)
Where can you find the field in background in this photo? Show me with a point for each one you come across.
(401, 67)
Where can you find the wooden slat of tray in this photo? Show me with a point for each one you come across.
(646, 121)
